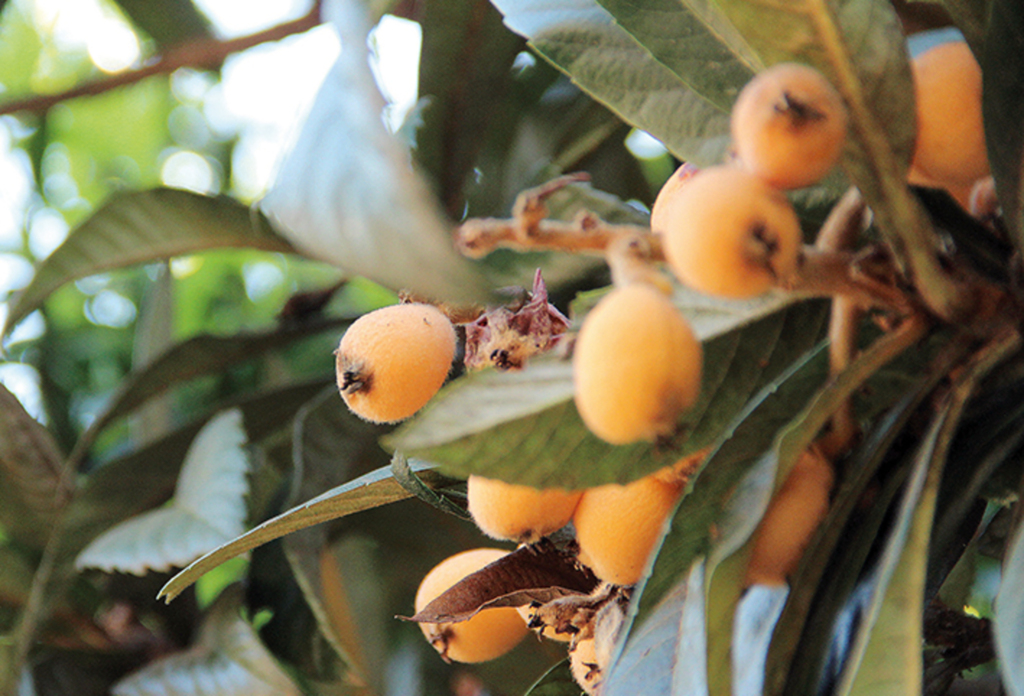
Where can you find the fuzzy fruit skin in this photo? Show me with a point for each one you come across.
(487, 635)
(792, 517)
(729, 234)
(393, 360)
(618, 526)
(950, 147)
(789, 126)
(668, 191)
(529, 613)
(519, 513)
(636, 366)
(585, 667)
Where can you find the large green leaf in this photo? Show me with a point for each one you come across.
(1002, 100)
(693, 40)
(33, 489)
(369, 491)
(466, 76)
(557, 681)
(583, 40)
(349, 196)
(523, 427)
(1009, 617)
(143, 226)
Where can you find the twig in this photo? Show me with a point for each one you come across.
(208, 53)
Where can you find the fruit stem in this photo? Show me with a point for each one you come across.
(846, 274)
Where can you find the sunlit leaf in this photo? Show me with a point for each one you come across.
(32, 488)
(207, 509)
(523, 427)
(347, 194)
(1002, 100)
(227, 660)
(755, 622)
(369, 491)
(143, 226)
(582, 39)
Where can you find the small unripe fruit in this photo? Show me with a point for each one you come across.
(617, 526)
(729, 234)
(486, 635)
(586, 670)
(636, 366)
(950, 146)
(789, 126)
(793, 515)
(393, 360)
(518, 513)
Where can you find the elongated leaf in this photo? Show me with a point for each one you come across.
(557, 681)
(228, 660)
(1009, 618)
(32, 491)
(197, 357)
(693, 40)
(369, 491)
(756, 616)
(348, 195)
(523, 427)
(143, 226)
(582, 39)
(1002, 100)
(208, 508)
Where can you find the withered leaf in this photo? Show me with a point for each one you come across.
(536, 573)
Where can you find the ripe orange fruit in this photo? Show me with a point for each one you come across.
(789, 126)
(486, 635)
(792, 517)
(518, 513)
(727, 233)
(636, 365)
(618, 526)
(950, 146)
(393, 360)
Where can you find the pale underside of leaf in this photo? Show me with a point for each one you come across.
(207, 509)
(347, 193)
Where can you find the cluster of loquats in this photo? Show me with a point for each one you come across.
(728, 231)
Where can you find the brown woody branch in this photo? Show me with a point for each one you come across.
(207, 54)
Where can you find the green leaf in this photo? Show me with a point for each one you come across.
(144, 226)
(368, 491)
(207, 509)
(465, 73)
(756, 617)
(196, 357)
(1009, 617)
(169, 22)
(33, 490)
(693, 40)
(972, 17)
(228, 659)
(523, 427)
(557, 681)
(15, 577)
(582, 40)
(348, 196)
(1002, 101)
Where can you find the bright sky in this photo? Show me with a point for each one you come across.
(263, 96)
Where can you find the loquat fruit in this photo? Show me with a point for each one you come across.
(529, 614)
(789, 126)
(636, 365)
(519, 513)
(586, 670)
(950, 147)
(792, 517)
(669, 189)
(618, 526)
(729, 234)
(486, 635)
(393, 360)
